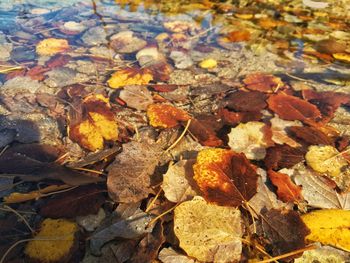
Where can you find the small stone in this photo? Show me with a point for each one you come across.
(181, 59)
(95, 36)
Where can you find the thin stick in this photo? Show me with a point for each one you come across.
(180, 137)
(153, 201)
(161, 215)
(20, 216)
(288, 254)
(89, 170)
(257, 246)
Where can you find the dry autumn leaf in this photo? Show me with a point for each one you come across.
(165, 116)
(209, 232)
(204, 133)
(238, 36)
(252, 101)
(251, 138)
(292, 108)
(330, 227)
(263, 82)
(310, 135)
(54, 242)
(279, 130)
(287, 191)
(283, 156)
(93, 123)
(130, 76)
(225, 177)
(51, 46)
(169, 255)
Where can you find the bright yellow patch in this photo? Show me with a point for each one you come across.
(208, 63)
(325, 159)
(126, 77)
(345, 57)
(51, 46)
(57, 240)
(330, 227)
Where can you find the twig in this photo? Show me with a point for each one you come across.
(153, 201)
(161, 215)
(89, 170)
(180, 137)
(288, 254)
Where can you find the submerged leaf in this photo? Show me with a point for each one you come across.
(165, 116)
(130, 76)
(263, 82)
(51, 46)
(209, 232)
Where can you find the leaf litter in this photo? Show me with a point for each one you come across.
(191, 131)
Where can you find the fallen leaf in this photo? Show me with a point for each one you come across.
(208, 63)
(225, 177)
(177, 181)
(283, 156)
(238, 36)
(263, 82)
(127, 42)
(209, 232)
(129, 176)
(130, 76)
(137, 97)
(251, 101)
(233, 118)
(251, 138)
(310, 135)
(165, 116)
(317, 192)
(323, 254)
(58, 61)
(329, 226)
(54, 242)
(292, 108)
(169, 255)
(93, 123)
(131, 224)
(81, 201)
(285, 230)
(51, 46)
(279, 130)
(344, 57)
(287, 191)
(204, 133)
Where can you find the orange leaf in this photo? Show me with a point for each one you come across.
(263, 82)
(205, 133)
(165, 116)
(239, 36)
(225, 177)
(293, 108)
(287, 191)
(51, 46)
(130, 76)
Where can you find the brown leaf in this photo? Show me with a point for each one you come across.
(250, 101)
(58, 61)
(225, 177)
(310, 135)
(239, 36)
(287, 191)
(204, 133)
(129, 176)
(293, 108)
(283, 156)
(285, 230)
(233, 118)
(37, 72)
(263, 82)
(81, 201)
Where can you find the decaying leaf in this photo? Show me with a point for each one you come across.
(209, 232)
(169, 255)
(329, 226)
(292, 108)
(204, 132)
(137, 97)
(251, 101)
(93, 123)
(323, 254)
(129, 176)
(325, 159)
(283, 156)
(82, 201)
(285, 230)
(51, 46)
(287, 191)
(177, 185)
(263, 82)
(165, 116)
(279, 129)
(232, 118)
(54, 242)
(225, 177)
(311, 135)
(130, 76)
(251, 138)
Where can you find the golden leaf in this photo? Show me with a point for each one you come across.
(330, 227)
(51, 46)
(165, 116)
(208, 63)
(61, 232)
(208, 232)
(130, 76)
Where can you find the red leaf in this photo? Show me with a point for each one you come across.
(82, 201)
(205, 134)
(37, 73)
(283, 156)
(293, 108)
(58, 61)
(287, 191)
(263, 82)
(232, 118)
(246, 101)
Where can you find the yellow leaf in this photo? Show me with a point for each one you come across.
(325, 159)
(208, 63)
(165, 116)
(345, 57)
(97, 125)
(131, 76)
(330, 227)
(208, 232)
(54, 241)
(51, 46)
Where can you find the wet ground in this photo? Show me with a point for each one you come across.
(58, 57)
